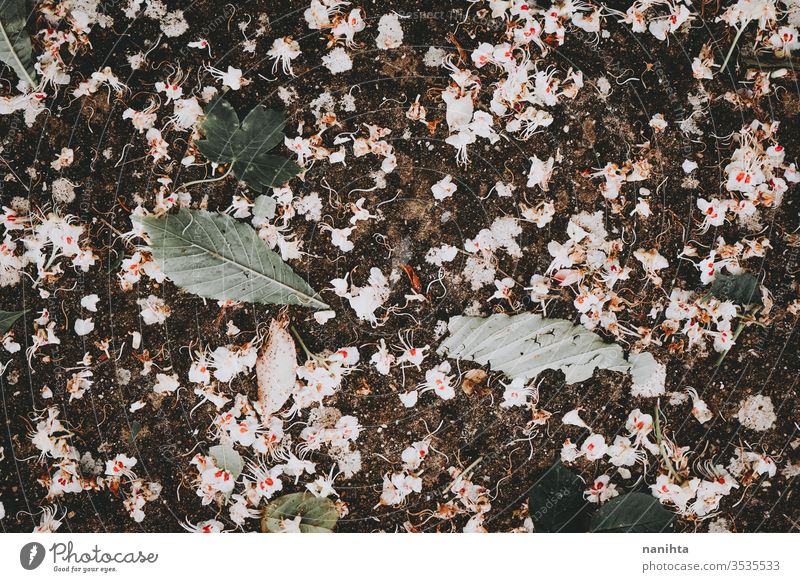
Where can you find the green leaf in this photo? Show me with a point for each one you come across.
(556, 502)
(246, 145)
(15, 43)
(524, 345)
(317, 514)
(215, 256)
(7, 319)
(220, 125)
(741, 289)
(633, 512)
(227, 459)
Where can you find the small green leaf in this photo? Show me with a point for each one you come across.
(227, 459)
(741, 289)
(317, 514)
(7, 319)
(218, 257)
(633, 512)
(246, 145)
(15, 43)
(556, 502)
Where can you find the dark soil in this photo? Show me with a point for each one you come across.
(765, 360)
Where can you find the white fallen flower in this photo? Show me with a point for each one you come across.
(84, 326)
(573, 418)
(700, 409)
(444, 188)
(540, 172)
(166, 383)
(138, 405)
(390, 33)
(154, 310)
(322, 317)
(337, 61)
(90, 302)
(409, 399)
(757, 413)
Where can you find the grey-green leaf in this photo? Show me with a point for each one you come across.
(15, 43)
(246, 145)
(633, 512)
(643, 367)
(215, 256)
(524, 345)
(317, 514)
(227, 459)
(7, 319)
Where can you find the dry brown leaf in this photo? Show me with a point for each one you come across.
(276, 367)
(473, 379)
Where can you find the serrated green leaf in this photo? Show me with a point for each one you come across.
(215, 256)
(246, 145)
(633, 512)
(524, 345)
(261, 131)
(15, 43)
(227, 459)
(556, 502)
(317, 514)
(7, 319)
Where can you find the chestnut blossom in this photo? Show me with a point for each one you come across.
(601, 490)
(444, 188)
(539, 173)
(439, 381)
(594, 447)
(284, 50)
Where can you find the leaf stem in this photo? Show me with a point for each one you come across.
(662, 448)
(750, 312)
(739, 32)
(471, 466)
(21, 183)
(309, 354)
(208, 180)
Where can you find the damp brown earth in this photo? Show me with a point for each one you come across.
(646, 76)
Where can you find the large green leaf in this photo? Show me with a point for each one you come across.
(317, 514)
(7, 319)
(215, 256)
(246, 145)
(556, 502)
(15, 44)
(524, 345)
(633, 512)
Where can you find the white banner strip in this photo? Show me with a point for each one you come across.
(355, 557)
